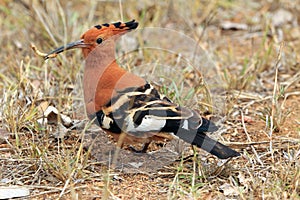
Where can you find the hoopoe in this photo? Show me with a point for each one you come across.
(125, 103)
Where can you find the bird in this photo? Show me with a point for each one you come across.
(125, 104)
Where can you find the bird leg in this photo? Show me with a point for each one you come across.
(118, 148)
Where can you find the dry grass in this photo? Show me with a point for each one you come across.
(259, 76)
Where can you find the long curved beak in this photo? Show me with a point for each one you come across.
(72, 45)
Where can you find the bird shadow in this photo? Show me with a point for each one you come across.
(103, 149)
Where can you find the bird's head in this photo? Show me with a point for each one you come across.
(96, 36)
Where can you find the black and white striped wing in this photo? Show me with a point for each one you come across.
(143, 109)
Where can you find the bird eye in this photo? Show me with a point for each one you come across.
(99, 40)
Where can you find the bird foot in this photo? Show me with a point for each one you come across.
(143, 150)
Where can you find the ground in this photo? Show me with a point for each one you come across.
(247, 57)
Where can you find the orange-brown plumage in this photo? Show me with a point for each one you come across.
(100, 87)
(125, 103)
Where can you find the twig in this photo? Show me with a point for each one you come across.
(293, 80)
(249, 139)
(258, 143)
(46, 192)
(274, 100)
(66, 185)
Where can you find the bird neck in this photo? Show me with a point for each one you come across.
(103, 77)
(97, 60)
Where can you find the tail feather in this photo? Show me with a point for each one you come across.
(206, 143)
(214, 147)
(207, 126)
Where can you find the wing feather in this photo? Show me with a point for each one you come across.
(143, 109)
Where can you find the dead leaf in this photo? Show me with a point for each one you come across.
(227, 25)
(281, 17)
(13, 192)
(228, 190)
(67, 121)
(51, 114)
(42, 107)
